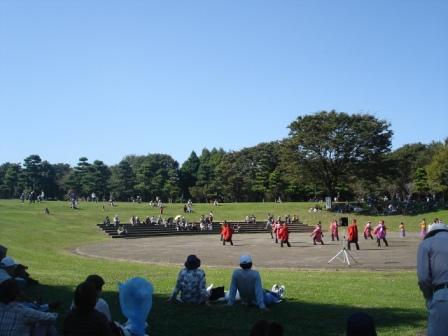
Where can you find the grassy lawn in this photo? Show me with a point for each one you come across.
(318, 302)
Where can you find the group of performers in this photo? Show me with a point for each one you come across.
(424, 226)
(379, 231)
(280, 232)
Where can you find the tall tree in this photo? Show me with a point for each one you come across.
(123, 180)
(10, 185)
(61, 173)
(81, 178)
(33, 172)
(207, 186)
(334, 145)
(188, 174)
(402, 165)
(154, 174)
(438, 171)
(100, 178)
(421, 185)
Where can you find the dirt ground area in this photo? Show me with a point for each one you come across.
(401, 253)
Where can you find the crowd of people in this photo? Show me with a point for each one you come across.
(89, 310)
(32, 196)
(205, 222)
(90, 314)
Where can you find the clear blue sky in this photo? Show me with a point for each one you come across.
(106, 78)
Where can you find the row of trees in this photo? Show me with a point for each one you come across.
(327, 153)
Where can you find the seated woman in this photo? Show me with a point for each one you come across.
(190, 283)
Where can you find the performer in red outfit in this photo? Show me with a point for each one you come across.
(284, 235)
(334, 230)
(227, 234)
(276, 229)
(368, 230)
(352, 232)
(317, 235)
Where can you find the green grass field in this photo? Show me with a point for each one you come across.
(318, 302)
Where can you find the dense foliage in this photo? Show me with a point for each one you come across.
(326, 154)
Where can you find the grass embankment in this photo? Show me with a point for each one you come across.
(318, 302)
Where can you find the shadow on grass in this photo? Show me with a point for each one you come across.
(298, 318)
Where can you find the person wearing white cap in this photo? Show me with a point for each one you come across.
(7, 265)
(8, 270)
(248, 283)
(432, 273)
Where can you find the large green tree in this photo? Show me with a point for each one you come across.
(336, 146)
(123, 180)
(32, 172)
(100, 175)
(402, 164)
(155, 177)
(10, 184)
(438, 171)
(188, 174)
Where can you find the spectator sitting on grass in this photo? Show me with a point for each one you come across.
(248, 283)
(101, 305)
(17, 319)
(84, 319)
(10, 269)
(190, 283)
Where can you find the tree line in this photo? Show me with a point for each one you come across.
(328, 153)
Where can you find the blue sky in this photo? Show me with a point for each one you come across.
(107, 78)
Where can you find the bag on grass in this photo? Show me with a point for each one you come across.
(216, 293)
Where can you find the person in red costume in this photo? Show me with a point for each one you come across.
(284, 235)
(227, 234)
(352, 232)
(317, 234)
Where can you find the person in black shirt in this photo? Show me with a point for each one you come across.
(84, 319)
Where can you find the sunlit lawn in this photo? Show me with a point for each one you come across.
(318, 302)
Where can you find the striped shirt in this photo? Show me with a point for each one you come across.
(17, 320)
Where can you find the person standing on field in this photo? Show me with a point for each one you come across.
(432, 273)
(368, 230)
(380, 232)
(334, 230)
(352, 233)
(284, 235)
(227, 234)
